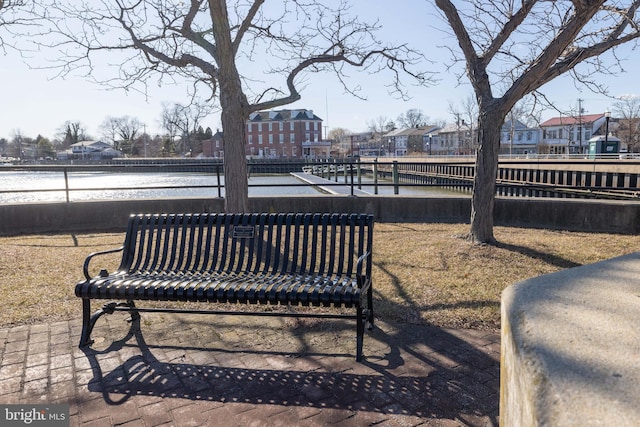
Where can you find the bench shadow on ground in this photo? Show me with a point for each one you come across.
(424, 372)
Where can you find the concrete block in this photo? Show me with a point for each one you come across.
(570, 351)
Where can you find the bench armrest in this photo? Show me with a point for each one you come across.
(360, 263)
(85, 268)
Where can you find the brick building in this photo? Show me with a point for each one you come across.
(213, 147)
(285, 134)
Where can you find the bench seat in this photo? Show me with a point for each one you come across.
(222, 287)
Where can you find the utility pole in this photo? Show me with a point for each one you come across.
(580, 125)
(511, 135)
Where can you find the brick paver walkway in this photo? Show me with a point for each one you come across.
(189, 370)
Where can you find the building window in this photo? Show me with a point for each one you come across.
(307, 136)
(270, 127)
(248, 127)
(281, 126)
(250, 139)
(292, 137)
(291, 125)
(307, 125)
(260, 139)
(282, 138)
(529, 136)
(270, 138)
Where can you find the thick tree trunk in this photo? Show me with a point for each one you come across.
(484, 185)
(235, 110)
(236, 186)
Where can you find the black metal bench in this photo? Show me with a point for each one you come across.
(276, 259)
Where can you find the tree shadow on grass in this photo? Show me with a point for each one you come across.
(534, 253)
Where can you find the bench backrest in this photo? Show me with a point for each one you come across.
(326, 244)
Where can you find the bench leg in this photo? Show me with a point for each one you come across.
(361, 320)
(370, 307)
(89, 320)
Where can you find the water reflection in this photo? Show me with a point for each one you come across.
(91, 186)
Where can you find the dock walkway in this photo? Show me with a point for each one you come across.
(328, 186)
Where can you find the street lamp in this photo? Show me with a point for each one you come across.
(430, 142)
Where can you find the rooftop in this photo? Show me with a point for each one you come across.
(570, 120)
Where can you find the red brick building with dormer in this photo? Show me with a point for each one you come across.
(285, 134)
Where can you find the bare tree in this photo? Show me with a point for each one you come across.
(338, 133)
(109, 130)
(511, 49)
(378, 127)
(465, 117)
(627, 110)
(72, 132)
(223, 45)
(184, 120)
(128, 128)
(413, 118)
(523, 113)
(123, 131)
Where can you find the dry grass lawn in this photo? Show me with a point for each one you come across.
(424, 273)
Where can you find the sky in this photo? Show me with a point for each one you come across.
(34, 101)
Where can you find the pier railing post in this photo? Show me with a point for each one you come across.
(396, 178)
(375, 176)
(66, 183)
(350, 174)
(218, 176)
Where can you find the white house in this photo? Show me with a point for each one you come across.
(454, 138)
(89, 150)
(517, 138)
(400, 142)
(571, 135)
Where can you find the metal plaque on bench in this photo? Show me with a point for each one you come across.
(243, 232)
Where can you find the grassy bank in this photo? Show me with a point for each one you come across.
(424, 273)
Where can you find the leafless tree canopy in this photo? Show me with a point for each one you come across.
(165, 40)
(122, 131)
(515, 47)
(627, 110)
(72, 132)
(184, 120)
(12, 17)
(412, 118)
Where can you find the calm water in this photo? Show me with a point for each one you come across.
(87, 186)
